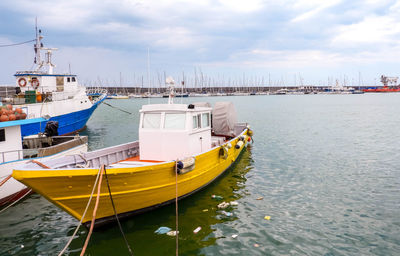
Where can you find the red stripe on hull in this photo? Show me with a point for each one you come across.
(14, 197)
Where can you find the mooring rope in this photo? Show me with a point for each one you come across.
(27, 193)
(83, 215)
(117, 108)
(176, 209)
(5, 180)
(115, 213)
(94, 213)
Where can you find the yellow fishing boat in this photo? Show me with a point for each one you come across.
(181, 149)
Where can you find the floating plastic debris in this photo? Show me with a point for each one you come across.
(197, 230)
(22, 246)
(223, 205)
(205, 210)
(234, 235)
(217, 197)
(172, 233)
(228, 214)
(256, 245)
(233, 203)
(162, 230)
(260, 198)
(267, 217)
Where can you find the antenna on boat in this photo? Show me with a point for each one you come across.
(39, 46)
(170, 81)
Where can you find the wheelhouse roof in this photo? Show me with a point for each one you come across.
(172, 107)
(39, 73)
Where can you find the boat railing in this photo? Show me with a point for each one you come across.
(96, 158)
(12, 155)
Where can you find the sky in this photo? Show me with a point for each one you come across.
(286, 42)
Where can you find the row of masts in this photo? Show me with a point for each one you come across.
(200, 82)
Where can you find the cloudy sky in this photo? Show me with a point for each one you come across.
(285, 42)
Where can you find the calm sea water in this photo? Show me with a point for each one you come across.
(327, 167)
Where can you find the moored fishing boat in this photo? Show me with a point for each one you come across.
(177, 147)
(15, 151)
(56, 97)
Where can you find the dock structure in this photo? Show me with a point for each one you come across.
(222, 89)
(9, 90)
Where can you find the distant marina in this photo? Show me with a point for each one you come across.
(145, 92)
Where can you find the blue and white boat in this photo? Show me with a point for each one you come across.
(42, 94)
(15, 150)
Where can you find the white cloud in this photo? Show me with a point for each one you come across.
(371, 30)
(316, 7)
(242, 6)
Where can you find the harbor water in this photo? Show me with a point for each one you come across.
(325, 168)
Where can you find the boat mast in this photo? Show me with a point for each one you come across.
(38, 47)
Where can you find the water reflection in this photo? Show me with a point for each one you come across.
(199, 209)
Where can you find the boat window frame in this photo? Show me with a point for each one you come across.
(152, 113)
(208, 119)
(2, 135)
(195, 124)
(164, 118)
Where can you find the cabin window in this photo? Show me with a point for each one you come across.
(195, 123)
(73, 79)
(199, 120)
(151, 120)
(68, 79)
(2, 135)
(175, 121)
(205, 119)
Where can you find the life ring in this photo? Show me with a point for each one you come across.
(35, 82)
(22, 82)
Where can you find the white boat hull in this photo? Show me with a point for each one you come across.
(11, 190)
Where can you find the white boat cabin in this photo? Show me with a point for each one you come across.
(173, 131)
(10, 143)
(44, 82)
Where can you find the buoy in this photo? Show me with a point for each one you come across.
(23, 116)
(19, 110)
(267, 217)
(239, 144)
(9, 106)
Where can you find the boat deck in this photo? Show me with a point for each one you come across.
(134, 162)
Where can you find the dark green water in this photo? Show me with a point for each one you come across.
(327, 167)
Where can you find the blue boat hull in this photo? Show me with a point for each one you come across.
(67, 124)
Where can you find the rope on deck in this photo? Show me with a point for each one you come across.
(5, 180)
(94, 212)
(116, 215)
(83, 215)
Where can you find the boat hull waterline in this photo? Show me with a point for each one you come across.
(134, 189)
